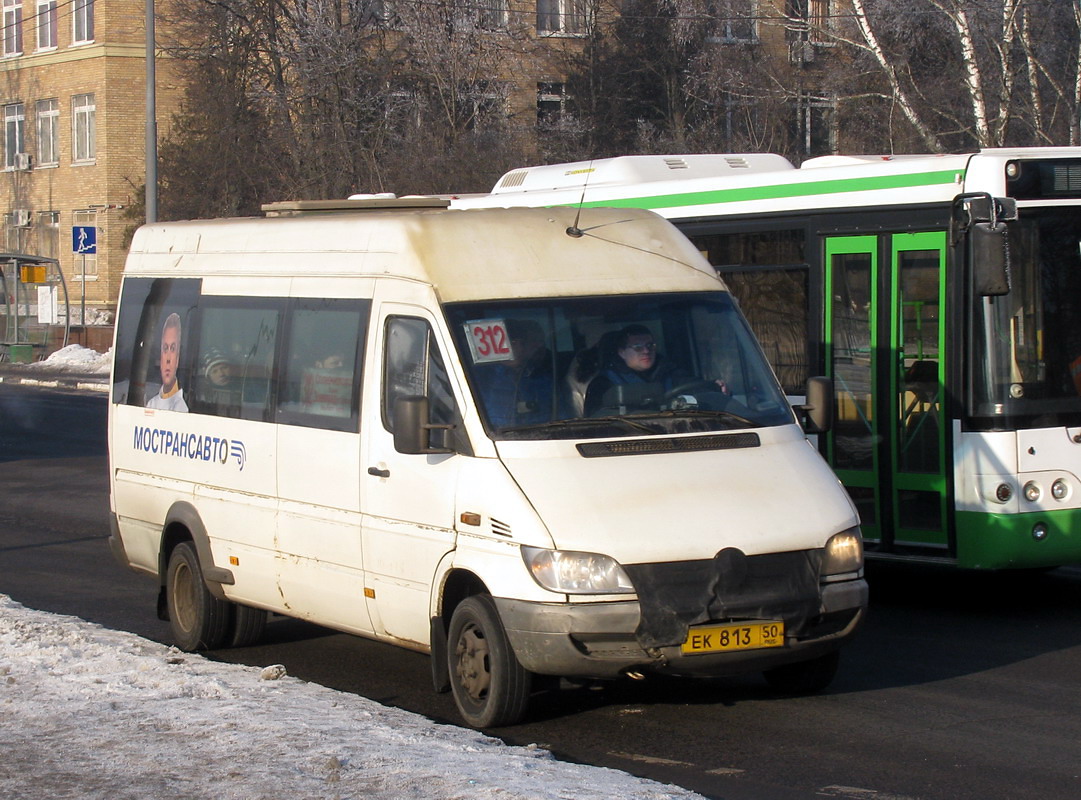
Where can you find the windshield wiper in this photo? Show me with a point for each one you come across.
(578, 422)
(704, 412)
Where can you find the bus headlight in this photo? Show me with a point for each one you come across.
(843, 556)
(571, 572)
(1032, 491)
(1060, 490)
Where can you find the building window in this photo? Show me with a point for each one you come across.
(491, 14)
(818, 20)
(736, 21)
(48, 231)
(46, 24)
(48, 131)
(816, 124)
(551, 103)
(13, 27)
(86, 263)
(562, 16)
(82, 21)
(83, 112)
(14, 133)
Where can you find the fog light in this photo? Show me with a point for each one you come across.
(1060, 489)
(1032, 491)
(1003, 493)
(1039, 531)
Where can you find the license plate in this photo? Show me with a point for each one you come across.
(734, 636)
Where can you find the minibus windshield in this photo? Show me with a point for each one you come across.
(628, 365)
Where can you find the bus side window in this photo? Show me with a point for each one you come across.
(321, 364)
(233, 373)
(413, 365)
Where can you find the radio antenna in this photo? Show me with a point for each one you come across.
(574, 230)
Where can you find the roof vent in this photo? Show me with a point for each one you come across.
(737, 163)
(512, 179)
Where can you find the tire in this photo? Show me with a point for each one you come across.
(490, 686)
(198, 620)
(248, 625)
(804, 677)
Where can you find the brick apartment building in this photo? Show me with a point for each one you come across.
(73, 105)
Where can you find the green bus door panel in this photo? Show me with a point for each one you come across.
(884, 351)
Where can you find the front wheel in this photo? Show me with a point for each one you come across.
(198, 619)
(804, 677)
(490, 687)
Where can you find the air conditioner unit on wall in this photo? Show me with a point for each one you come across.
(22, 161)
(20, 217)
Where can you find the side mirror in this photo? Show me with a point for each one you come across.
(990, 253)
(818, 410)
(413, 427)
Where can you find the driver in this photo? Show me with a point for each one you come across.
(635, 360)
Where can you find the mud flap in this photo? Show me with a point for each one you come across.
(440, 670)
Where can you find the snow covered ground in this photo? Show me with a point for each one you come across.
(87, 712)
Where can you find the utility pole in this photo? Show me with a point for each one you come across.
(151, 118)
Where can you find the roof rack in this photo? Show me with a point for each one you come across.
(293, 208)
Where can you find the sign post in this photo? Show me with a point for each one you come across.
(84, 239)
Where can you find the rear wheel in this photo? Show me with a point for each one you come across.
(198, 620)
(490, 686)
(804, 677)
(248, 626)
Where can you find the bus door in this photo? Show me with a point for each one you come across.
(408, 500)
(885, 340)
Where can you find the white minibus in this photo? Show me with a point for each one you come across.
(530, 442)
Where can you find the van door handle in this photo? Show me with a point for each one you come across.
(379, 473)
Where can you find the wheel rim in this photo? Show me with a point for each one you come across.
(473, 667)
(183, 597)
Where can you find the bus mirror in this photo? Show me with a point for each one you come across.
(413, 427)
(818, 410)
(990, 252)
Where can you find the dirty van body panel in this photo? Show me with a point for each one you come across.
(409, 500)
(706, 537)
(663, 507)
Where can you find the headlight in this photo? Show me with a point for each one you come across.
(569, 572)
(843, 555)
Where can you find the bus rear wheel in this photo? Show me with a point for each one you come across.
(198, 620)
(247, 626)
(491, 688)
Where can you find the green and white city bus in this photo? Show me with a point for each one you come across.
(942, 294)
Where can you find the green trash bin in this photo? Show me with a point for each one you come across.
(20, 353)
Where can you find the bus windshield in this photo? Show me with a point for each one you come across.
(561, 368)
(1027, 344)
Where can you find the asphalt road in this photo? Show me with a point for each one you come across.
(959, 685)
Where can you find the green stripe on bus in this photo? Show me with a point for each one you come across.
(778, 191)
(1005, 541)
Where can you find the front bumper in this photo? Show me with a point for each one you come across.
(598, 640)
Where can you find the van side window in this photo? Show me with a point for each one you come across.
(140, 377)
(234, 371)
(321, 364)
(413, 366)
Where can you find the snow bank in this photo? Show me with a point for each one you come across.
(75, 358)
(87, 712)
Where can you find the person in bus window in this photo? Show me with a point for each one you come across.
(170, 397)
(635, 361)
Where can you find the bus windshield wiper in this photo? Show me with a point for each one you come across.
(576, 422)
(705, 412)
